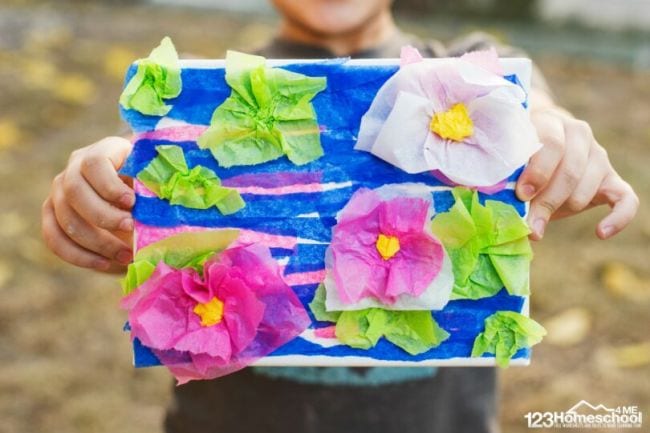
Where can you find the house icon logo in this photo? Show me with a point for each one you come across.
(584, 407)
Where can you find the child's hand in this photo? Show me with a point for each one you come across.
(85, 219)
(572, 173)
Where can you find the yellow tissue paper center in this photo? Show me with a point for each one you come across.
(387, 246)
(454, 124)
(211, 312)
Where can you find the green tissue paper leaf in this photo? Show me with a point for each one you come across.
(168, 177)
(317, 307)
(508, 225)
(483, 281)
(505, 333)
(268, 114)
(161, 169)
(184, 250)
(137, 273)
(413, 331)
(488, 246)
(361, 329)
(157, 78)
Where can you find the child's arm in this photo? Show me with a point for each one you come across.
(86, 219)
(571, 173)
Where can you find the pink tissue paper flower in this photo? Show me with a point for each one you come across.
(383, 254)
(457, 116)
(206, 326)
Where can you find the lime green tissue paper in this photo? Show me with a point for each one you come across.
(361, 329)
(505, 333)
(168, 177)
(137, 273)
(268, 114)
(413, 331)
(488, 246)
(317, 307)
(157, 78)
(189, 249)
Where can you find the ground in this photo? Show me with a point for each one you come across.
(64, 362)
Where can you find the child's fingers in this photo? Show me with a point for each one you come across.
(583, 195)
(624, 202)
(64, 247)
(538, 172)
(99, 167)
(116, 149)
(93, 208)
(90, 238)
(564, 180)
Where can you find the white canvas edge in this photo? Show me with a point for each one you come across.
(511, 65)
(360, 361)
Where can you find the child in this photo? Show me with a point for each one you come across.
(86, 221)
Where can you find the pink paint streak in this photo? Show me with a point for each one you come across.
(327, 332)
(176, 133)
(272, 241)
(142, 190)
(291, 189)
(272, 180)
(301, 278)
(146, 235)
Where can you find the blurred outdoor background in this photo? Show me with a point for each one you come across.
(65, 364)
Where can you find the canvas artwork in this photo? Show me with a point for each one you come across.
(328, 212)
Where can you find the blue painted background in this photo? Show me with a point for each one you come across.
(339, 108)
